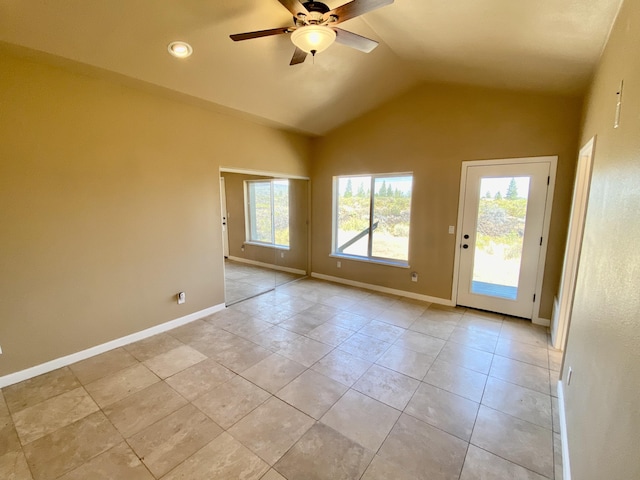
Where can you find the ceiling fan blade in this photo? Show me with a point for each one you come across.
(354, 40)
(260, 33)
(356, 8)
(294, 6)
(299, 56)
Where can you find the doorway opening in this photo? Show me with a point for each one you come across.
(562, 314)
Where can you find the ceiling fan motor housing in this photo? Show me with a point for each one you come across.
(316, 7)
(316, 14)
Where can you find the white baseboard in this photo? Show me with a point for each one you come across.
(51, 365)
(378, 288)
(544, 322)
(566, 464)
(555, 318)
(297, 271)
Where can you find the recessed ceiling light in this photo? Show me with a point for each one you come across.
(180, 49)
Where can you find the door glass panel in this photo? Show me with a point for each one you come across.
(502, 210)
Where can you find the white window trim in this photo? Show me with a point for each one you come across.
(381, 261)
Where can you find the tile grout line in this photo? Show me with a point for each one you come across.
(307, 368)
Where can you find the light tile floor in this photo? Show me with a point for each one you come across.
(244, 281)
(312, 381)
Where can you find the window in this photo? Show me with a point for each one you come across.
(267, 212)
(372, 217)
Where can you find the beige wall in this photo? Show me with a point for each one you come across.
(602, 402)
(430, 131)
(297, 255)
(110, 205)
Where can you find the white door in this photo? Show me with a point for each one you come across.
(501, 236)
(225, 231)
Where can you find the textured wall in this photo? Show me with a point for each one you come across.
(603, 349)
(430, 131)
(110, 205)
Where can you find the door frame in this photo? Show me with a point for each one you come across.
(553, 164)
(579, 205)
(224, 213)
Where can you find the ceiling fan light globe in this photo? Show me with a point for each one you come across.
(313, 38)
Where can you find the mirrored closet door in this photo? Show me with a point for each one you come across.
(265, 231)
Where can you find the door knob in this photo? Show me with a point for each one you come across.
(466, 236)
(465, 246)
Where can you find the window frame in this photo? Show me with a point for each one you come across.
(249, 213)
(334, 228)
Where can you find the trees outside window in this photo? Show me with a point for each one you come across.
(374, 222)
(267, 212)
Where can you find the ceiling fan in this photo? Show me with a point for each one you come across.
(314, 28)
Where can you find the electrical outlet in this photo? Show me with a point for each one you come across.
(281, 254)
(339, 264)
(182, 298)
(452, 229)
(414, 276)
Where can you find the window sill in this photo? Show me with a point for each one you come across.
(268, 245)
(377, 261)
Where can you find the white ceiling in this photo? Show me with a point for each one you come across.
(542, 45)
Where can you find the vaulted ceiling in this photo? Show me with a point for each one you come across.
(542, 45)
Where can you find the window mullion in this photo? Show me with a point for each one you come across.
(251, 212)
(273, 214)
(371, 197)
